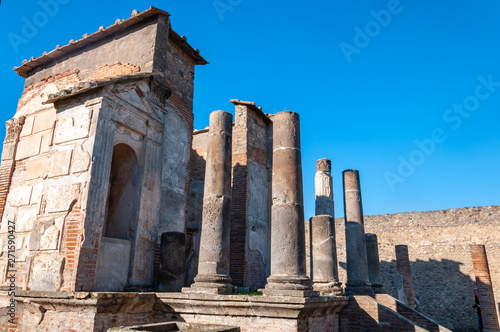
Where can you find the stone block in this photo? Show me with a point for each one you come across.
(172, 267)
(20, 196)
(28, 147)
(8, 215)
(59, 163)
(59, 198)
(8, 151)
(72, 128)
(46, 272)
(28, 126)
(35, 169)
(41, 226)
(3, 271)
(36, 195)
(81, 160)
(44, 121)
(112, 265)
(46, 142)
(50, 238)
(26, 219)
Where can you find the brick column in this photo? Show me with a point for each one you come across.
(484, 286)
(403, 268)
(14, 127)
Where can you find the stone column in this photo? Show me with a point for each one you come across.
(403, 269)
(325, 273)
(324, 188)
(213, 267)
(373, 263)
(484, 286)
(288, 253)
(357, 261)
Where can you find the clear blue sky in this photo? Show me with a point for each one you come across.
(406, 92)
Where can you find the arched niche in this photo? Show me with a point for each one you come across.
(124, 194)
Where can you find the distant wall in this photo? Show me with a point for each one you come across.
(438, 243)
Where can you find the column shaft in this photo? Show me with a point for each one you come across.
(373, 262)
(213, 266)
(288, 256)
(403, 268)
(325, 273)
(357, 261)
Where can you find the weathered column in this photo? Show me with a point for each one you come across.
(324, 188)
(213, 267)
(288, 253)
(373, 263)
(403, 268)
(357, 262)
(484, 286)
(325, 273)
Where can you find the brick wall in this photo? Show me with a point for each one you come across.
(438, 244)
(484, 286)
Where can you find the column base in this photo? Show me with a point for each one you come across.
(210, 284)
(378, 289)
(359, 289)
(333, 288)
(295, 286)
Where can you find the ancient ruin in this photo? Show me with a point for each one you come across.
(115, 213)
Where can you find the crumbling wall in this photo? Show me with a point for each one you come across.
(48, 190)
(133, 46)
(441, 264)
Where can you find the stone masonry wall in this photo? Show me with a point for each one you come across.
(441, 265)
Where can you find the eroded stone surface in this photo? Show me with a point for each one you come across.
(59, 163)
(28, 146)
(20, 196)
(26, 219)
(36, 168)
(81, 160)
(59, 198)
(71, 128)
(46, 272)
(44, 120)
(50, 238)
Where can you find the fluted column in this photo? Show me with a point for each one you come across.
(213, 267)
(324, 188)
(288, 256)
(357, 261)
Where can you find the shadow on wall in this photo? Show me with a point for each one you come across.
(445, 293)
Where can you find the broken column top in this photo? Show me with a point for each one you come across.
(324, 165)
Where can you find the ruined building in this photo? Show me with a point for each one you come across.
(118, 213)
